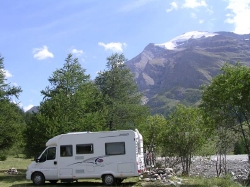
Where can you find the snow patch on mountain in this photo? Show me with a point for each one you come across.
(179, 40)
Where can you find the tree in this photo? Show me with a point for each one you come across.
(184, 134)
(72, 103)
(72, 99)
(10, 114)
(151, 130)
(224, 140)
(227, 98)
(123, 103)
(67, 79)
(7, 91)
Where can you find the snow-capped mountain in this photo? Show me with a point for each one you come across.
(184, 38)
(172, 72)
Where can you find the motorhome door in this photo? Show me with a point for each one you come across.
(47, 163)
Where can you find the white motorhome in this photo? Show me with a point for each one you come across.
(111, 156)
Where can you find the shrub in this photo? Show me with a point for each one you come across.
(239, 147)
(3, 157)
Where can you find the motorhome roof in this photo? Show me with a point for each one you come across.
(79, 132)
(53, 141)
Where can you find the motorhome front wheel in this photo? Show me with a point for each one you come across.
(38, 178)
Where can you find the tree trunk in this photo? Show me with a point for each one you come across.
(186, 163)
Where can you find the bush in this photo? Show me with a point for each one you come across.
(3, 157)
(239, 147)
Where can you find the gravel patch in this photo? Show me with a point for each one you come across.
(237, 166)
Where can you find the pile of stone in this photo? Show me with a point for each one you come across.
(12, 171)
(165, 176)
(239, 169)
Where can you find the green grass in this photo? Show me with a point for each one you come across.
(13, 162)
(13, 180)
(21, 164)
(199, 182)
(212, 182)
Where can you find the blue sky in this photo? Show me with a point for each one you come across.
(36, 36)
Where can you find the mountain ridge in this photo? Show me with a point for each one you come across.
(168, 76)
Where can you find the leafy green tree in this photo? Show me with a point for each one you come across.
(150, 130)
(239, 147)
(224, 140)
(78, 112)
(10, 114)
(67, 79)
(226, 100)
(184, 134)
(72, 103)
(122, 101)
(19, 144)
(7, 91)
(71, 99)
(35, 134)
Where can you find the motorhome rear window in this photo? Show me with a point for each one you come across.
(66, 150)
(84, 149)
(115, 148)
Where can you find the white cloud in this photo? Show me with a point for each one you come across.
(27, 107)
(173, 6)
(42, 53)
(115, 47)
(194, 3)
(6, 73)
(77, 52)
(239, 16)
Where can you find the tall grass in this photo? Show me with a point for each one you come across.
(212, 182)
(14, 162)
(19, 179)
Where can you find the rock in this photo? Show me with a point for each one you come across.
(12, 171)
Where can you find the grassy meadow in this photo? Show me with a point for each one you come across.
(19, 180)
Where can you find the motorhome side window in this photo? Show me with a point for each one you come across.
(115, 148)
(84, 149)
(66, 150)
(49, 154)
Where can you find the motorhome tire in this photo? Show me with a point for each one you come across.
(53, 181)
(38, 178)
(108, 180)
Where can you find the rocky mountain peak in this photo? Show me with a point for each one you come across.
(172, 72)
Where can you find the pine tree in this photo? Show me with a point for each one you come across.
(10, 113)
(123, 102)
